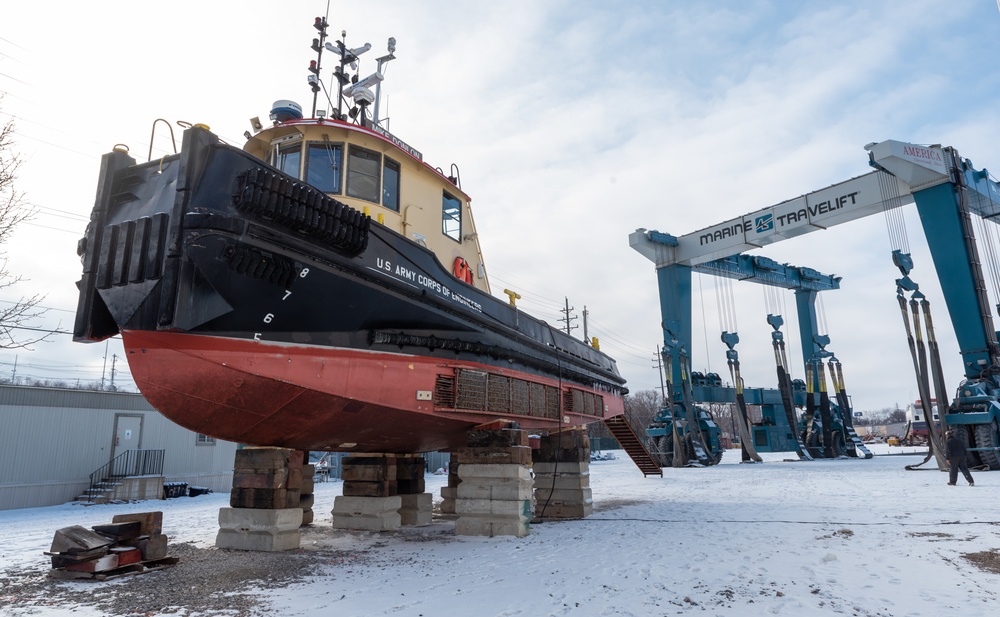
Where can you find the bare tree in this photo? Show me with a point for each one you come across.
(639, 411)
(20, 314)
(641, 407)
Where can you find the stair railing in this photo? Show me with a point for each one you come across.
(128, 463)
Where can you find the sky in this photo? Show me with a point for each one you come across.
(845, 537)
(572, 124)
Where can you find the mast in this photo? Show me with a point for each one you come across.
(314, 66)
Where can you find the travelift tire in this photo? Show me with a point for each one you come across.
(987, 437)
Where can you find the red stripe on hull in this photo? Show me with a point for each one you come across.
(310, 398)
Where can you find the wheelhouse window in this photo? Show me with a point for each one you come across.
(324, 165)
(451, 217)
(390, 185)
(363, 174)
(289, 158)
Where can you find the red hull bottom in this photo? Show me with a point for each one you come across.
(314, 398)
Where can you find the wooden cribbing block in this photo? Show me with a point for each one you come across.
(120, 531)
(151, 523)
(264, 458)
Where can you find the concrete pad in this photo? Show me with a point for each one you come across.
(493, 470)
(416, 509)
(492, 507)
(388, 521)
(420, 501)
(415, 518)
(258, 540)
(348, 505)
(255, 519)
(482, 488)
(561, 468)
(476, 526)
(562, 481)
(564, 495)
(567, 511)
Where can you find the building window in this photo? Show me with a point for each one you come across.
(289, 159)
(390, 185)
(363, 174)
(324, 165)
(204, 440)
(451, 217)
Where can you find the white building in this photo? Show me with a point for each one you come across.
(51, 440)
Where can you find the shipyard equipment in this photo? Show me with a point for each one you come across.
(950, 195)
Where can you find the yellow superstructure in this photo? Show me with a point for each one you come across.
(374, 172)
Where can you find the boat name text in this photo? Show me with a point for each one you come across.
(422, 280)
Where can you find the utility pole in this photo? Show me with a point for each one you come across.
(13, 374)
(567, 318)
(105, 367)
(586, 336)
(659, 371)
(114, 361)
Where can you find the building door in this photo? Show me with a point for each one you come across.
(128, 434)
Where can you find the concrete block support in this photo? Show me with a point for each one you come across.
(258, 529)
(450, 493)
(367, 513)
(493, 497)
(306, 497)
(562, 476)
(382, 492)
(416, 509)
(265, 512)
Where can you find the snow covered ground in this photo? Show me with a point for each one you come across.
(850, 537)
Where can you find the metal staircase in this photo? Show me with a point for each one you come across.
(106, 481)
(633, 446)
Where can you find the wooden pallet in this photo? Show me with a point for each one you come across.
(133, 568)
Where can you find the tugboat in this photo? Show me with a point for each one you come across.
(321, 288)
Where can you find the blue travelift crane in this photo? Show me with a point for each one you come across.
(947, 191)
(675, 434)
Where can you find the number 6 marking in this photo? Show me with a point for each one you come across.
(268, 317)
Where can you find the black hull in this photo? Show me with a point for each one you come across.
(214, 242)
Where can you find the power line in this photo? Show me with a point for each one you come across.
(13, 43)
(68, 231)
(47, 308)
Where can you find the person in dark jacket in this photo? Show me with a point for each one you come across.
(956, 453)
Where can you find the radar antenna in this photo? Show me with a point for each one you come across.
(348, 86)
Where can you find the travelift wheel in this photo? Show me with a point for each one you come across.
(839, 444)
(987, 436)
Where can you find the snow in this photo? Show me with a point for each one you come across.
(784, 537)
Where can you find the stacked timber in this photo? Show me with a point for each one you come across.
(265, 512)
(370, 499)
(450, 493)
(416, 506)
(562, 475)
(494, 497)
(306, 496)
(131, 544)
(382, 492)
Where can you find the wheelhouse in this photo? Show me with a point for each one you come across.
(378, 174)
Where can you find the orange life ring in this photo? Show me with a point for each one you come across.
(462, 270)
